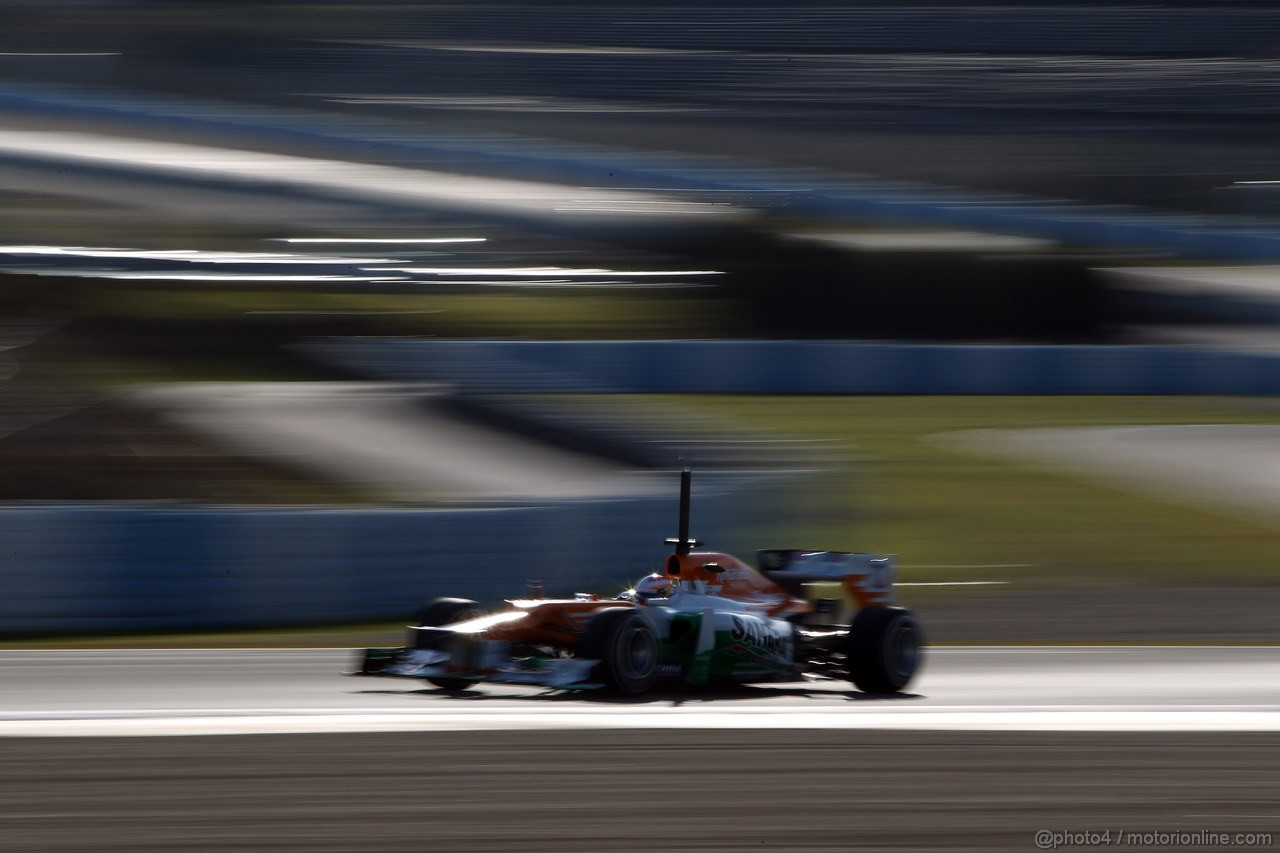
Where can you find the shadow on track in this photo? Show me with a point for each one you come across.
(670, 696)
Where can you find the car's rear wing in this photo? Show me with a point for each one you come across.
(825, 577)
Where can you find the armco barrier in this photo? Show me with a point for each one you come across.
(809, 367)
(74, 568)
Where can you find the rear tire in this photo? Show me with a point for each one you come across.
(884, 649)
(438, 613)
(627, 647)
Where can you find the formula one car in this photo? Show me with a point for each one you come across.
(707, 617)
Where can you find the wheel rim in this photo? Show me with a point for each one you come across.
(902, 650)
(638, 652)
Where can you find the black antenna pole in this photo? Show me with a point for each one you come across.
(686, 484)
(683, 543)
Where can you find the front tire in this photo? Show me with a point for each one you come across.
(436, 614)
(627, 647)
(446, 611)
(884, 649)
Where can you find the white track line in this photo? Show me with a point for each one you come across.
(265, 721)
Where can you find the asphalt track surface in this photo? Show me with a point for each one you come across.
(253, 691)
(759, 768)
(639, 790)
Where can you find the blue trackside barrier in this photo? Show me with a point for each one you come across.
(143, 567)
(809, 367)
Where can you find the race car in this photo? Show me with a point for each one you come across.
(706, 617)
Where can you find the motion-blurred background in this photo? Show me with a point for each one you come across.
(312, 311)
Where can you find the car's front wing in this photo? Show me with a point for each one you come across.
(492, 662)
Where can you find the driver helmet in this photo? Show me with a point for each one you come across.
(652, 586)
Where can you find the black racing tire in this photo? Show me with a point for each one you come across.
(446, 611)
(626, 645)
(884, 650)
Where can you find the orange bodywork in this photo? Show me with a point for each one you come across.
(734, 579)
(561, 622)
(548, 621)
